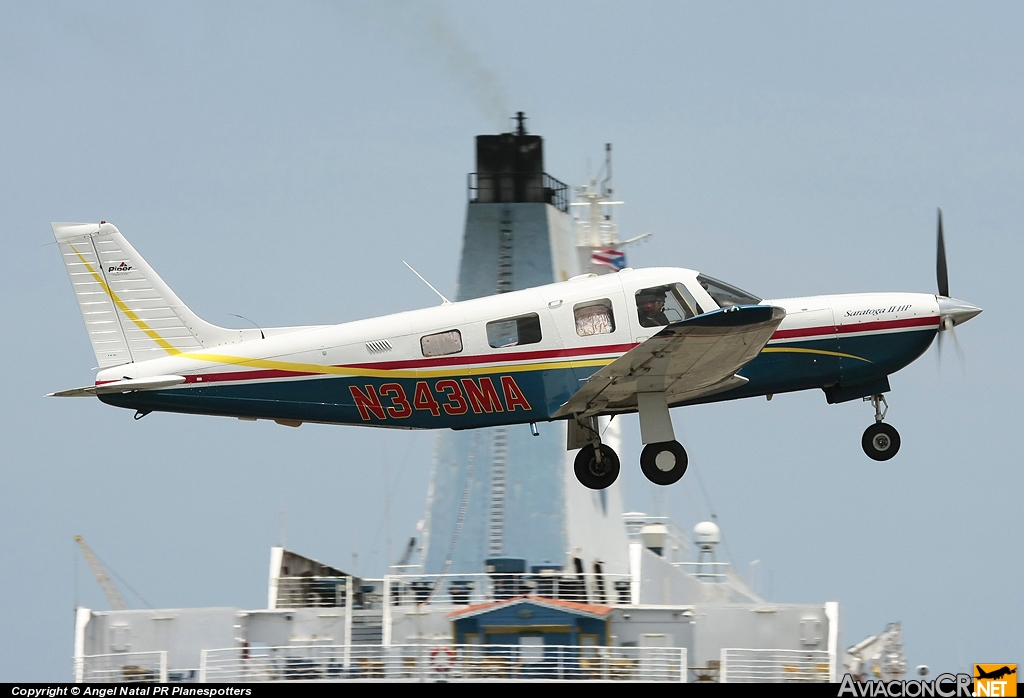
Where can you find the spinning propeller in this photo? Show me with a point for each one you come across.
(952, 312)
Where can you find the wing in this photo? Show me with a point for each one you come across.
(686, 360)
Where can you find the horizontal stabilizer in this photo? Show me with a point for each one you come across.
(123, 386)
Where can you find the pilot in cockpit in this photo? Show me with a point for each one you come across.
(650, 307)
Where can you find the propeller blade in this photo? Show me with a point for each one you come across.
(941, 274)
(961, 357)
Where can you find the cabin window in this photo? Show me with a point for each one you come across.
(514, 331)
(594, 317)
(442, 343)
(661, 305)
(724, 294)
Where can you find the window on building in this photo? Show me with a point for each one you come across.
(442, 343)
(594, 317)
(514, 331)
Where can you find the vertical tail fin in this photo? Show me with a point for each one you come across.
(130, 313)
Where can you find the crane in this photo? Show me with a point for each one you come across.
(114, 597)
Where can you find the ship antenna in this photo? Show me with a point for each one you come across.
(607, 169)
(521, 121)
(446, 301)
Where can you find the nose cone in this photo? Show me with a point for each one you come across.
(956, 311)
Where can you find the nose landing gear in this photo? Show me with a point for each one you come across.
(880, 441)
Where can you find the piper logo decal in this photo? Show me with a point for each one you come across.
(455, 397)
(120, 268)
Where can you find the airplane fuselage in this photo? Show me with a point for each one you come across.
(450, 367)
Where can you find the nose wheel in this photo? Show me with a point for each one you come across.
(663, 463)
(881, 441)
(596, 468)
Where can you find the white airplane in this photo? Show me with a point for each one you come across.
(641, 340)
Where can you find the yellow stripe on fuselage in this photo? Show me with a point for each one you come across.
(317, 369)
(799, 350)
(139, 322)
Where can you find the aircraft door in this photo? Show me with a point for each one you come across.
(593, 326)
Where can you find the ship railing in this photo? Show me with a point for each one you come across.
(517, 187)
(715, 572)
(312, 592)
(121, 667)
(739, 665)
(443, 662)
(469, 589)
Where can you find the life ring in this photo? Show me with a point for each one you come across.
(442, 658)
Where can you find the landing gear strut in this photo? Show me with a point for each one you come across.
(663, 463)
(881, 441)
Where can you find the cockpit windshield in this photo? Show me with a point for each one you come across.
(725, 294)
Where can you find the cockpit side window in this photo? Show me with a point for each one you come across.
(594, 317)
(660, 305)
(512, 332)
(724, 294)
(442, 343)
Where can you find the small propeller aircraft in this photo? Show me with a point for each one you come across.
(641, 340)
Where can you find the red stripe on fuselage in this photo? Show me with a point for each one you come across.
(504, 357)
(861, 327)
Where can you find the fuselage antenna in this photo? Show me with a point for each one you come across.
(446, 301)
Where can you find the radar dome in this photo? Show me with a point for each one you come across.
(706, 535)
(654, 535)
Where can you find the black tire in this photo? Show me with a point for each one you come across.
(592, 474)
(881, 441)
(664, 463)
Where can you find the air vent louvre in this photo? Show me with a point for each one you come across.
(378, 346)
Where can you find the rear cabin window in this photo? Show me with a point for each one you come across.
(442, 343)
(514, 331)
(594, 317)
(661, 305)
(725, 294)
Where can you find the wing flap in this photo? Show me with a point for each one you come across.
(686, 360)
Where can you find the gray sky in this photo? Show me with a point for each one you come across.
(280, 160)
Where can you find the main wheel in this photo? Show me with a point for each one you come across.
(596, 475)
(663, 463)
(881, 441)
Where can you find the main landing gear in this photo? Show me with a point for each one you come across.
(663, 460)
(881, 441)
(598, 467)
(663, 463)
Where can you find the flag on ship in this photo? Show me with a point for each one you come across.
(611, 258)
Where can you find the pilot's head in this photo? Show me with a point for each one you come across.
(651, 300)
